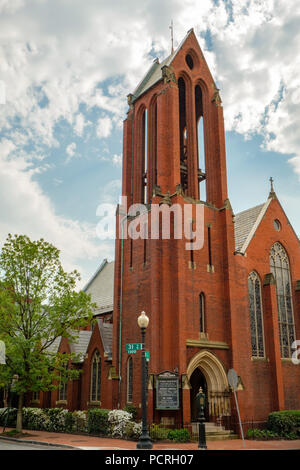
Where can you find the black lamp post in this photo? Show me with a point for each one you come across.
(144, 441)
(200, 397)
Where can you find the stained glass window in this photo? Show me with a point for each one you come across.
(256, 317)
(129, 379)
(281, 271)
(96, 377)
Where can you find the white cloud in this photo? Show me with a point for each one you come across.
(26, 209)
(57, 56)
(104, 127)
(70, 150)
(80, 124)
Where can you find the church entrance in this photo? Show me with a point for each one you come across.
(197, 380)
(205, 370)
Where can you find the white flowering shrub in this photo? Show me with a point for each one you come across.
(80, 421)
(133, 430)
(118, 420)
(35, 419)
(60, 420)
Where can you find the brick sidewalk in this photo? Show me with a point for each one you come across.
(90, 442)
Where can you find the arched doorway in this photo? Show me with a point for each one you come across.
(206, 370)
(198, 380)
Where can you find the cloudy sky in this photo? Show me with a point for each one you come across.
(66, 67)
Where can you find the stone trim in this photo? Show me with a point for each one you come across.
(196, 343)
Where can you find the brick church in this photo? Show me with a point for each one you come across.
(234, 303)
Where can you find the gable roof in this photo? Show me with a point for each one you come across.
(53, 348)
(101, 287)
(80, 345)
(154, 74)
(246, 223)
(106, 333)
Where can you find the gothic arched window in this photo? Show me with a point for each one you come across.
(129, 379)
(281, 271)
(202, 312)
(256, 317)
(63, 385)
(95, 377)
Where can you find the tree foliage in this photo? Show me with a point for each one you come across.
(38, 304)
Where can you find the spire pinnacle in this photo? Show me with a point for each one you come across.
(272, 192)
(172, 37)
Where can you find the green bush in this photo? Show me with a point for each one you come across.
(285, 423)
(131, 409)
(98, 421)
(261, 434)
(179, 435)
(157, 433)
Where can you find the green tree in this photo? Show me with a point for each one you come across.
(38, 304)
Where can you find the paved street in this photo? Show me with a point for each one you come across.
(10, 445)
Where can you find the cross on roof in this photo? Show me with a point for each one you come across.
(272, 181)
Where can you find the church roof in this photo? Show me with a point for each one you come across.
(106, 333)
(154, 74)
(101, 287)
(246, 223)
(80, 345)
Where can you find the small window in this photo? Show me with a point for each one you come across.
(189, 61)
(277, 225)
(96, 377)
(36, 396)
(63, 387)
(202, 312)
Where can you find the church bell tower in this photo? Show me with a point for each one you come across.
(173, 153)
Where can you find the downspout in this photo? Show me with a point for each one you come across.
(122, 268)
(121, 311)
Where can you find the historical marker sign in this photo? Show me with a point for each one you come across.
(167, 391)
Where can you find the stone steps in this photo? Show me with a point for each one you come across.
(214, 432)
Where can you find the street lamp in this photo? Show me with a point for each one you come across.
(200, 397)
(144, 441)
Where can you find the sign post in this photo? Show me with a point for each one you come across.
(233, 382)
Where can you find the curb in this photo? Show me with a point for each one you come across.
(43, 443)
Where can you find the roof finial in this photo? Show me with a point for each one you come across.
(272, 192)
(172, 38)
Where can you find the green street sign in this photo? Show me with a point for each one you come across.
(132, 348)
(147, 356)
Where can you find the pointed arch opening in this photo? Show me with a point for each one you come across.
(202, 312)
(183, 135)
(95, 390)
(256, 315)
(280, 268)
(200, 143)
(213, 376)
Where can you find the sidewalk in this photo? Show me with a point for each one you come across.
(99, 443)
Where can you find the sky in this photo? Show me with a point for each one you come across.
(66, 68)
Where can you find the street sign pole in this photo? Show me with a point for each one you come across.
(233, 382)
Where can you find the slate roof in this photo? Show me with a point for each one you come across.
(106, 333)
(246, 223)
(154, 74)
(101, 287)
(80, 345)
(53, 348)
